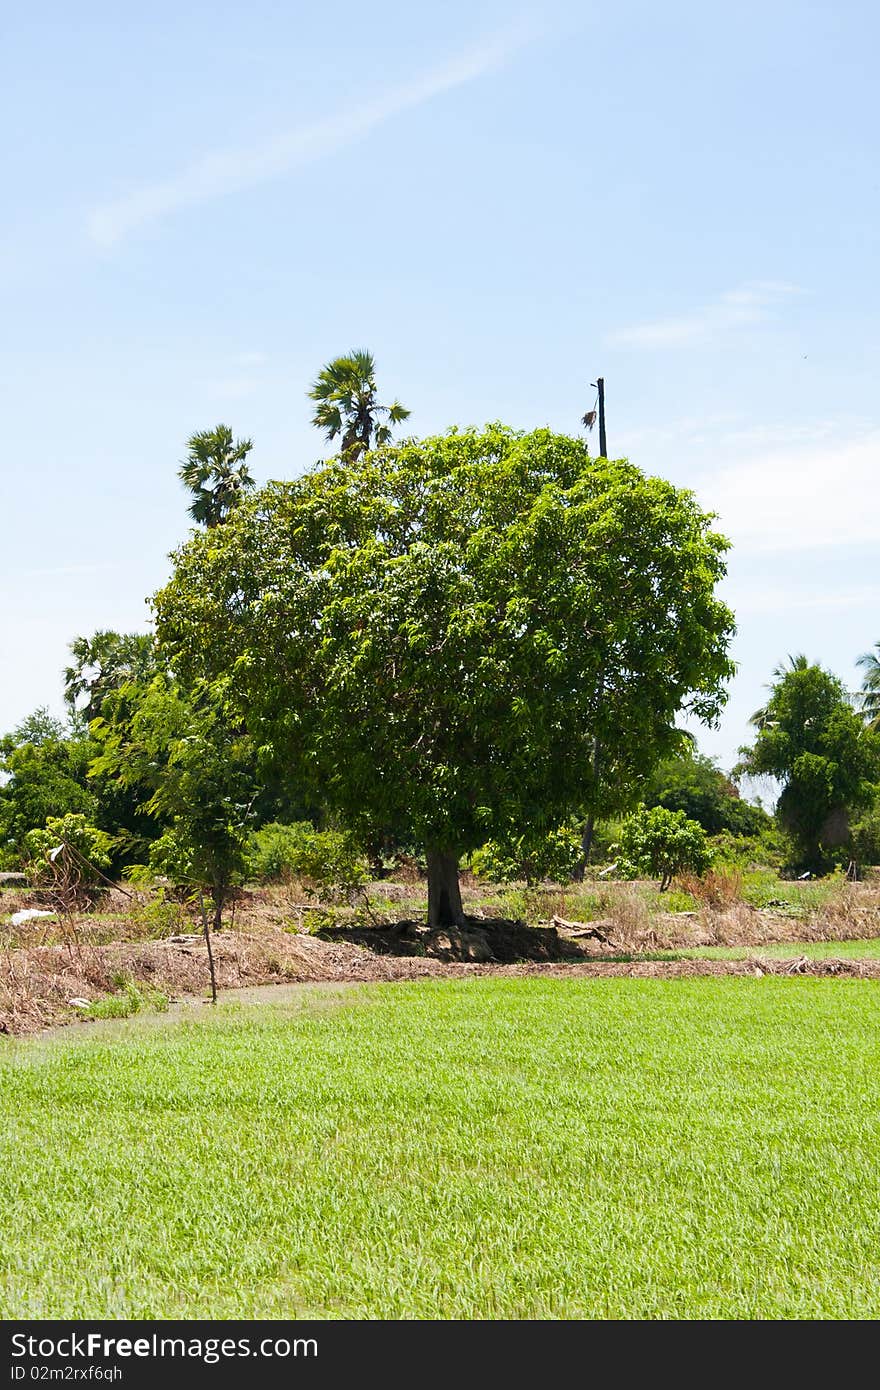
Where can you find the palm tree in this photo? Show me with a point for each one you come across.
(345, 395)
(102, 663)
(870, 700)
(216, 474)
(762, 717)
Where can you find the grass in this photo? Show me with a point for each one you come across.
(489, 1148)
(867, 949)
(130, 998)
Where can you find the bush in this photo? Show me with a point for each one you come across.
(717, 888)
(866, 838)
(170, 857)
(662, 843)
(328, 860)
(530, 857)
(85, 855)
(749, 851)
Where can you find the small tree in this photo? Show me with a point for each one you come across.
(663, 843)
(68, 857)
(200, 767)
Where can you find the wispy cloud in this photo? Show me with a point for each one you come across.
(227, 171)
(776, 599)
(65, 570)
(802, 497)
(749, 304)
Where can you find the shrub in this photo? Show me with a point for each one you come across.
(171, 857)
(748, 851)
(662, 843)
(866, 838)
(553, 855)
(716, 888)
(329, 860)
(83, 858)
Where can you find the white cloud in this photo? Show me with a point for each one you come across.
(800, 498)
(749, 304)
(773, 599)
(226, 171)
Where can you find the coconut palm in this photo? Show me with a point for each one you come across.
(216, 474)
(344, 393)
(870, 694)
(762, 718)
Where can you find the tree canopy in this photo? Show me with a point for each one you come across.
(436, 633)
(813, 741)
(691, 783)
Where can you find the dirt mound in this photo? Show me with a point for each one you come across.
(484, 939)
(37, 983)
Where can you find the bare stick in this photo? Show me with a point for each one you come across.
(207, 928)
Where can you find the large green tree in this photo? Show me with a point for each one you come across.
(216, 473)
(438, 633)
(689, 782)
(346, 403)
(811, 739)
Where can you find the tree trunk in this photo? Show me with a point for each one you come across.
(444, 892)
(586, 847)
(208, 944)
(218, 896)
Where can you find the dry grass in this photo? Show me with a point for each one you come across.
(717, 888)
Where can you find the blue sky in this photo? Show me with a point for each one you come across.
(205, 202)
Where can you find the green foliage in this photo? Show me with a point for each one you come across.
(870, 693)
(328, 859)
(43, 772)
(160, 915)
(198, 763)
(744, 851)
(814, 742)
(171, 857)
(551, 856)
(662, 843)
(346, 404)
(435, 635)
(104, 662)
(131, 998)
(216, 473)
(866, 836)
(91, 845)
(691, 783)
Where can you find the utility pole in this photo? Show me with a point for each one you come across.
(590, 418)
(603, 446)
